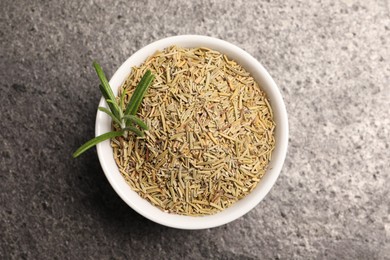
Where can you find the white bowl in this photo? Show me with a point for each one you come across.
(241, 207)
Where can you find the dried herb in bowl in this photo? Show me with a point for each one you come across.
(211, 132)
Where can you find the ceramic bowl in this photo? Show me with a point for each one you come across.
(143, 207)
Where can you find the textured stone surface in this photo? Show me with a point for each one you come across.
(331, 60)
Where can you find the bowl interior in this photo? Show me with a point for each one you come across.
(103, 125)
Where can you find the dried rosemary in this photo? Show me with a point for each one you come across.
(211, 132)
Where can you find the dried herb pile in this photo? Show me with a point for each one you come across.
(211, 132)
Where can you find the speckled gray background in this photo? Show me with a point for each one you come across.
(331, 60)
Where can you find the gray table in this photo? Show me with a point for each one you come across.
(331, 60)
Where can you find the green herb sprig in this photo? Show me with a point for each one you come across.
(125, 117)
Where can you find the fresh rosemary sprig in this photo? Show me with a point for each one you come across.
(125, 117)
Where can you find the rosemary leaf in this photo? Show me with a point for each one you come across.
(142, 85)
(122, 99)
(109, 101)
(136, 120)
(103, 80)
(105, 88)
(104, 93)
(106, 97)
(95, 141)
(139, 98)
(108, 112)
(134, 130)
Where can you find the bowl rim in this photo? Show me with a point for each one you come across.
(241, 207)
